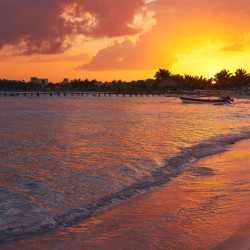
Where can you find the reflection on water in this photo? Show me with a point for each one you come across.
(58, 155)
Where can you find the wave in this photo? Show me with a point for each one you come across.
(173, 167)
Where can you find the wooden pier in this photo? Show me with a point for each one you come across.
(75, 94)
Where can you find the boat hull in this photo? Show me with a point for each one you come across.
(199, 100)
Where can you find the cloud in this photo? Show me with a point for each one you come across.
(46, 27)
(111, 57)
(181, 27)
(130, 56)
(50, 58)
(233, 48)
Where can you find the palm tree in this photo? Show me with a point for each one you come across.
(223, 78)
(241, 78)
(162, 74)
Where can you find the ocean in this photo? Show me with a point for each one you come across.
(64, 161)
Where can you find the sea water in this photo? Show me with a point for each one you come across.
(63, 160)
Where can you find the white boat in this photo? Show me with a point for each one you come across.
(219, 101)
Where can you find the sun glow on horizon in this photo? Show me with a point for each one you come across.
(210, 59)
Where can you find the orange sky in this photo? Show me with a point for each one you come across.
(122, 39)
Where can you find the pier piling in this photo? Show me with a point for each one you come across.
(79, 94)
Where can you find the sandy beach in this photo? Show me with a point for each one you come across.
(180, 216)
(199, 215)
(193, 211)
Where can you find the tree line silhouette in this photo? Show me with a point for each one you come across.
(223, 80)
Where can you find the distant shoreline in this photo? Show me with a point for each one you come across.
(16, 93)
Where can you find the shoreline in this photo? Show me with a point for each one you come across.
(185, 216)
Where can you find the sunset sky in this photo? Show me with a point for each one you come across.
(122, 39)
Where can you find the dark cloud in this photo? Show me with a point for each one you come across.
(47, 26)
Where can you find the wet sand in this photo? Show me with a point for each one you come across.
(240, 240)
